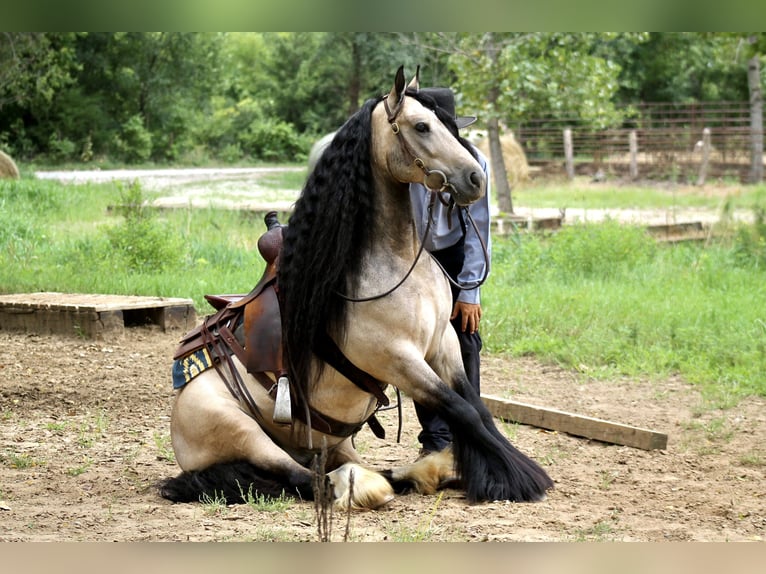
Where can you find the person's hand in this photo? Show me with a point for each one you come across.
(470, 315)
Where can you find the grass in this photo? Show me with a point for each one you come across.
(635, 197)
(423, 532)
(21, 460)
(606, 300)
(603, 299)
(214, 505)
(164, 448)
(263, 503)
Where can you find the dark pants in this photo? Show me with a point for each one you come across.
(436, 435)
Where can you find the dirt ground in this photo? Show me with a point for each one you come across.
(84, 438)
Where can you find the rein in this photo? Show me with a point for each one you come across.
(434, 193)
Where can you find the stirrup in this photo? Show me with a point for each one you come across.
(283, 411)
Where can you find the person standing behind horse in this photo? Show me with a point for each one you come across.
(454, 243)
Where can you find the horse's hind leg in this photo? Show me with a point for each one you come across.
(222, 450)
(225, 451)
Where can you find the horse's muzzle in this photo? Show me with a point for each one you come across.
(469, 187)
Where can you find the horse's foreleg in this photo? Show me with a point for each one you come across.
(489, 466)
(425, 475)
(354, 485)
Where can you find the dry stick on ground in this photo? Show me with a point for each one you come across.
(323, 494)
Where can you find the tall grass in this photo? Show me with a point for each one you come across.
(57, 237)
(606, 299)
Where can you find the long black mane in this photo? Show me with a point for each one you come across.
(324, 241)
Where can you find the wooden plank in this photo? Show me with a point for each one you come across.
(91, 315)
(578, 425)
(90, 302)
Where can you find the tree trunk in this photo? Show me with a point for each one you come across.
(355, 82)
(502, 188)
(756, 119)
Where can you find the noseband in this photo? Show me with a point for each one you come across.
(392, 115)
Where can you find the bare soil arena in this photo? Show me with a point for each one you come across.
(84, 439)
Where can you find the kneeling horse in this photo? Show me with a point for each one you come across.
(356, 299)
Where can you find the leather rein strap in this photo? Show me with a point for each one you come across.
(392, 115)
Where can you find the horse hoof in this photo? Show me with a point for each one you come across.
(428, 473)
(357, 488)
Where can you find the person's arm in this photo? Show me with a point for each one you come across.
(468, 304)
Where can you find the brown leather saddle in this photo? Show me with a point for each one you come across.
(250, 328)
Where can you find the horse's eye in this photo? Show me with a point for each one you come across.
(421, 127)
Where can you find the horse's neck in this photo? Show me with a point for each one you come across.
(394, 226)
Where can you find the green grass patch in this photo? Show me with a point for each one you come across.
(607, 300)
(605, 196)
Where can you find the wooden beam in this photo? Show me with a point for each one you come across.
(577, 425)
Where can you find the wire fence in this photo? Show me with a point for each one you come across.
(656, 141)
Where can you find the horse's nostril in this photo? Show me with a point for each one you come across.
(475, 179)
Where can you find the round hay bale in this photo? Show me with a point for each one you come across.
(8, 168)
(513, 155)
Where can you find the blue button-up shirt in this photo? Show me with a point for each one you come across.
(445, 234)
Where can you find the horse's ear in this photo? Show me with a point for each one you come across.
(414, 84)
(397, 92)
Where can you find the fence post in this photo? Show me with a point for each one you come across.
(633, 143)
(756, 120)
(705, 156)
(569, 153)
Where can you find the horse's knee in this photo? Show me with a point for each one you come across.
(358, 488)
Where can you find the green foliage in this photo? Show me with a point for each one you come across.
(264, 96)
(134, 142)
(750, 242)
(141, 241)
(271, 141)
(608, 305)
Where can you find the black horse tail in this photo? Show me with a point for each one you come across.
(235, 482)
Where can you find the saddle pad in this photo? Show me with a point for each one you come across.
(188, 367)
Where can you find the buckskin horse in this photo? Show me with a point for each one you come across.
(347, 306)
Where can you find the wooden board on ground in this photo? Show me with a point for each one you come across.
(92, 315)
(578, 425)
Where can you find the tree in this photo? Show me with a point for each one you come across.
(680, 67)
(507, 77)
(757, 45)
(33, 66)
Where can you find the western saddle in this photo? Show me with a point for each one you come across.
(250, 328)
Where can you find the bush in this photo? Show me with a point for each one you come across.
(134, 143)
(141, 241)
(271, 140)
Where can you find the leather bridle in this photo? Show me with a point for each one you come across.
(435, 192)
(392, 115)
